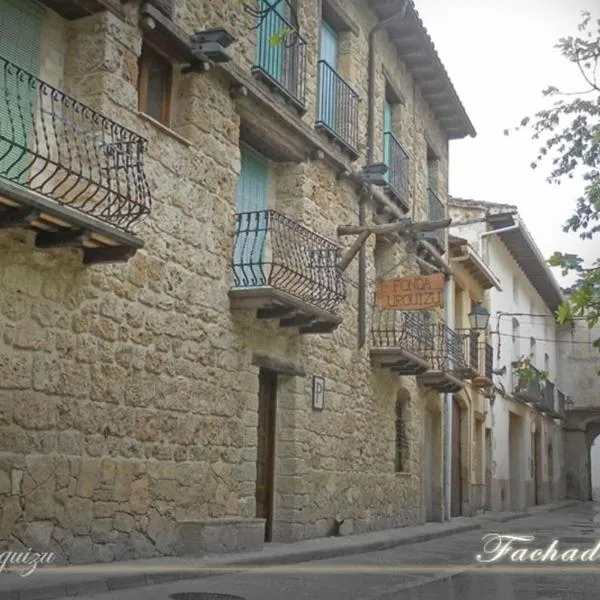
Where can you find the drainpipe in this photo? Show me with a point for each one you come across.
(448, 407)
(517, 224)
(366, 193)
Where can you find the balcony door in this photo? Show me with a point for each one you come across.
(328, 76)
(387, 142)
(20, 34)
(252, 193)
(271, 38)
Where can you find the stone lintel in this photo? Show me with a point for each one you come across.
(282, 366)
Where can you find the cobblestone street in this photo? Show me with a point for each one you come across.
(443, 568)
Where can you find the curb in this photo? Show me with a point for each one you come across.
(102, 584)
(97, 584)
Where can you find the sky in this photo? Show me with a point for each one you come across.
(500, 55)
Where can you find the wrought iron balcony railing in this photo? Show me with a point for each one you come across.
(59, 148)
(281, 56)
(337, 110)
(486, 360)
(272, 250)
(471, 348)
(435, 212)
(562, 403)
(407, 330)
(398, 173)
(448, 352)
(548, 397)
(530, 388)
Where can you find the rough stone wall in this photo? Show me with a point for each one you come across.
(128, 400)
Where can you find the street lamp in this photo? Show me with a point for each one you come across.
(375, 174)
(479, 317)
(211, 43)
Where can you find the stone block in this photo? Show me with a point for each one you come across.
(123, 522)
(78, 515)
(217, 536)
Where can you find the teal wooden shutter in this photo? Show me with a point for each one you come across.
(328, 79)
(270, 42)
(251, 198)
(20, 34)
(387, 128)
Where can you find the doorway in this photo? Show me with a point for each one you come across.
(551, 482)
(457, 483)
(265, 452)
(516, 462)
(536, 456)
(488, 468)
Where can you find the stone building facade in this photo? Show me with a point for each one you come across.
(135, 395)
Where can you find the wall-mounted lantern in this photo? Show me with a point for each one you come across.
(479, 317)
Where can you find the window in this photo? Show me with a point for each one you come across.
(328, 78)
(547, 363)
(515, 288)
(515, 340)
(154, 85)
(432, 170)
(532, 350)
(394, 155)
(401, 448)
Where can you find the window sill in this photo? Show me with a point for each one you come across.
(402, 474)
(164, 129)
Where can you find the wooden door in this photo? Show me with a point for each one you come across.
(428, 466)
(265, 456)
(488, 469)
(456, 492)
(535, 449)
(387, 131)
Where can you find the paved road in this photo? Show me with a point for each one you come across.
(440, 569)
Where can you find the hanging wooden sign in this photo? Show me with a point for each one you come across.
(417, 292)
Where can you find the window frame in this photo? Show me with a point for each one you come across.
(150, 54)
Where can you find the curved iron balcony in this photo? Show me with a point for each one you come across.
(281, 57)
(58, 153)
(286, 271)
(449, 363)
(337, 110)
(401, 340)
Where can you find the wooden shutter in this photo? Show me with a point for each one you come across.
(252, 193)
(20, 35)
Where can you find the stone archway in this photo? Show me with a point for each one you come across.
(581, 428)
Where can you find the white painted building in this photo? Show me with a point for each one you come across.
(527, 438)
